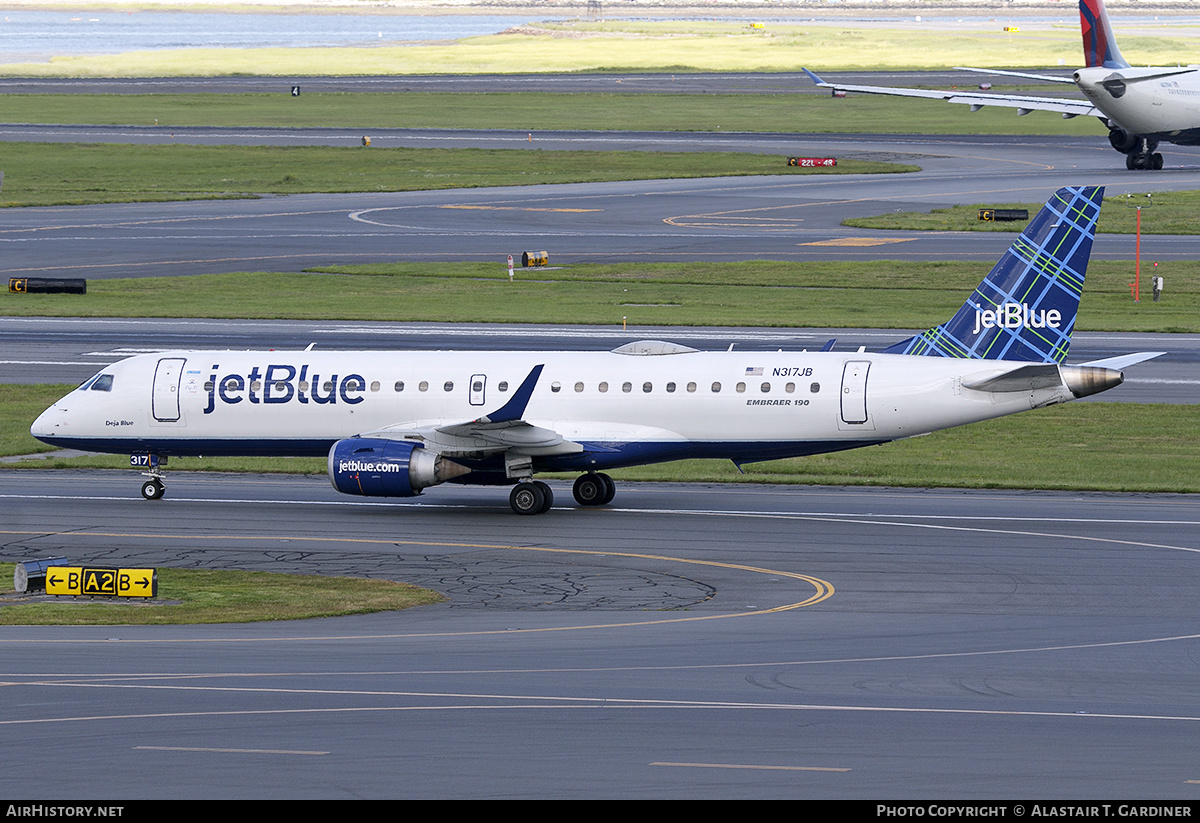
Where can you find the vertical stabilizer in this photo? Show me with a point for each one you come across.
(1099, 45)
(1025, 308)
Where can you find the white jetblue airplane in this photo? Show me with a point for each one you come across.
(393, 423)
(1140, 106)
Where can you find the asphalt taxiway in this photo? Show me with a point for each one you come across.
(863, 643)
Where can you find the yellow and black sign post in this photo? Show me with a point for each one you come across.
(101, 582)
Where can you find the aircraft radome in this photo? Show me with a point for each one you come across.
(393, 423)
(1140, 106)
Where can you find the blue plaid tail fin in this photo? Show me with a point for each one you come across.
(1025, 308)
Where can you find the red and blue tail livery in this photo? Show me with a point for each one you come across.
(1099, 46)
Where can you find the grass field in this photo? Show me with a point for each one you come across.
(1162, 212)
(606, 109)
(204, 596)
(39, 174)
(874, 294)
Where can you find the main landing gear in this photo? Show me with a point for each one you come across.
(594, 489)
(535, 497)
(531, 497)
(1144, 160)
(1140, 152)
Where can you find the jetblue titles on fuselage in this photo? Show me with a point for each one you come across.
(281, 383)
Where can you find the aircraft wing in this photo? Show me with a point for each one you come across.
(503, 430)
(1024, 104)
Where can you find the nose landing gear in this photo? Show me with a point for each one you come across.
(154, 488)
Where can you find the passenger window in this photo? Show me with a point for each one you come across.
(103, 383)
(208, 386)
(716, 387)
(603, 387)
(765, 388)
(424, 385)
(691, 387)
(647, 387)
(449, 386)
(670, 388)
(814, 388)
(302, 386)
(477, 386)
(579, 387)
(789, 388)
(740, 387)
(502, 385)
(556, 387)
(626, 387)
(280, 386)
(374, 385)
(399, 385)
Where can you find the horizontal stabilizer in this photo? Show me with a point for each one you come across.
(1124, 361)
(1049, 78)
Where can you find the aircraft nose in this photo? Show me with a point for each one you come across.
(49, 423)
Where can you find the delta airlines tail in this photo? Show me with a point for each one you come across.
(1099, 45)
(394, 423)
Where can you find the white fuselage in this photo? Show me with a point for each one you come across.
(622, 409)
(1162, 102)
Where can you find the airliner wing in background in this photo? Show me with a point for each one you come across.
(1141, 107)
(1024, 104)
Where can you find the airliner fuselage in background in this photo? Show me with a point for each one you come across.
(1141, 107)
(392, 423)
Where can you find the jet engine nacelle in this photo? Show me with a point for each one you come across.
(1123, 141)
(377, 467)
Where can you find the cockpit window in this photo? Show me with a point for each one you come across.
(86, 384)
(103, 382)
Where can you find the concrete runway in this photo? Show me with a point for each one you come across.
(864, 643)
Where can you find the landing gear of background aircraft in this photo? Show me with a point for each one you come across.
(1140, 152)
(531, 497)
(153, 489)
(1146, 160)
(594, 489)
